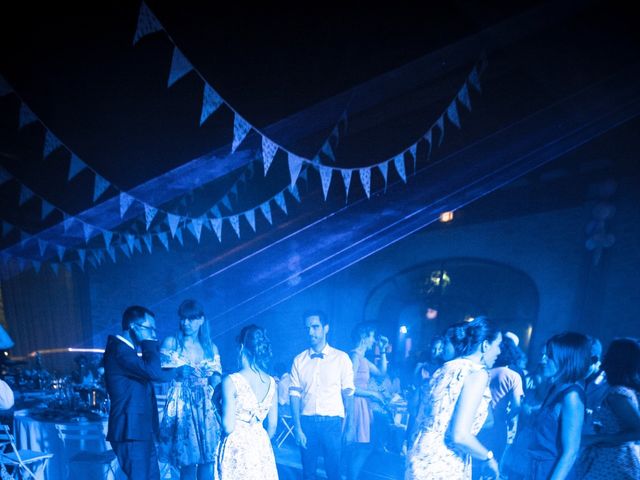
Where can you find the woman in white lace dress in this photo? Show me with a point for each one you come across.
(455, 408)
(248, 397)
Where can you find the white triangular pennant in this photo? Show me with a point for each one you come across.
(226, 202)
(215, 210)
(293, 190)
(413, 149)
(47, 208)
(398, 161)
(173, 221)
(147, 23)
(51, 143)
(216, 224)
(137, 245)
(107, 235)
(81, 257)
(452, 113)
(180, 66)
(440, 125)
(42, 246)
(295, 164)
(463, 96)
(195, 227)
(266, 211)
(328, 151)
(25, 195)
(112, 253)
(60, 251)
(384, 169)
(240, 130)
(125, 249)
(149, 214)
(234, 190)
(101, 184)
(346, 178)
(164, 239)
(75, 166)
(235, 223)
(474, 79)
(325, 177)
(250, 215)
(26, 116)
(87, 230)
(269, 150)
(365, 179)
(125, 202)
(429, 139)
(281, 202)
(179, 237)
(131, 241)
(67, 222)
(148, 242)
(211, 101)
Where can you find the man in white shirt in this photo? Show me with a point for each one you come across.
(6, 396)
(321, 395)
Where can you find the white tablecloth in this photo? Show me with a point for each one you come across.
(41, 436)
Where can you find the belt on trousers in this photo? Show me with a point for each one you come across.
(320, 418)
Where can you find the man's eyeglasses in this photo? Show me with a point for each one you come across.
(146, 327)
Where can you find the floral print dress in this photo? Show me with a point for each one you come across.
(432, 456)
(190, 426)
(246, 453)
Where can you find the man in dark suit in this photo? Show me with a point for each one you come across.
(133, 417)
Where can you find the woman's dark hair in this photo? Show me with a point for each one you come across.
(256, 346)
(466, 337)
(360, 331)
(571, 352)
(193, 309)
(510, 354)
(622, 363)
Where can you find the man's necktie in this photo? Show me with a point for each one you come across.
(317, 355)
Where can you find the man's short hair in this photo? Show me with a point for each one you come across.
(316, 313)
(133, 314)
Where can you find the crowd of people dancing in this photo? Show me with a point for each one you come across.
(476, 409)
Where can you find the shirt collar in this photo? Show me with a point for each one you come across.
(324, 351)
(120, 337)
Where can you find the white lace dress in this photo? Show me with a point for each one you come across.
(432, 456)
(246, 453)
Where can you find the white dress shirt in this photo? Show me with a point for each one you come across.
(319, 382)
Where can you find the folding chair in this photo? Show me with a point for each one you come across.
(19, 464)
(90, 441)
(285, 431)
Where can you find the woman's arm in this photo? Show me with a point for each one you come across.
(572, 417)
(363, 392)
(228, 405)
(272, 416)
(628, 416)
(464, 414)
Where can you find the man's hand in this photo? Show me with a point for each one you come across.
(301, 438)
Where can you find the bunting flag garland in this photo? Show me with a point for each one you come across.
(149, 214)
(474, 79)
(42, 246)
(87, 230)
(173, 221)
(346, 178)
(100, 187)
(107, 235)
(195, 227)
(60, 251)
(328, 151)
(27, 117)
(428, 138)
(211, 101)
(46, 209)
(269, 150)
(250, 215)
(365, 179)
(240, 130)
(131, 241)
(398, 161)
(138, 246)
(452, 113)
(216, 224)
(235, 223)
(384, 168)
(112, 253)
(126, 250)
(266, 211)
(67, 222)
(75, 166)
(147, 23)
(125, 202)
(179, 237)
(413, 152)
(164, 240)
(148, 242)
(293, 190)
(440, 124)
(295, 164)
(180, 66)
(226, 202)
(81, 256)
(325, 177)
(51, 143)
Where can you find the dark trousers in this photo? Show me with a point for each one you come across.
(324, 437)
(138, 460)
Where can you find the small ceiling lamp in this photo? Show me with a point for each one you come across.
(446, 216)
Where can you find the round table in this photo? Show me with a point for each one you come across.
(42, 436)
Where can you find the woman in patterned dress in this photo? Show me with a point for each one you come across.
(614, 451)
(455, 408)
(248, 397)
(190, 427)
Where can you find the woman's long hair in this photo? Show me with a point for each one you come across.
(571, 352)
(622, 363)
(191, 309)
(466, 337)
(256, 346)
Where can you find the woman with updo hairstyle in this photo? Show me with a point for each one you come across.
(614, 450)
(548, 446)
(248, 397)
(455, 408)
